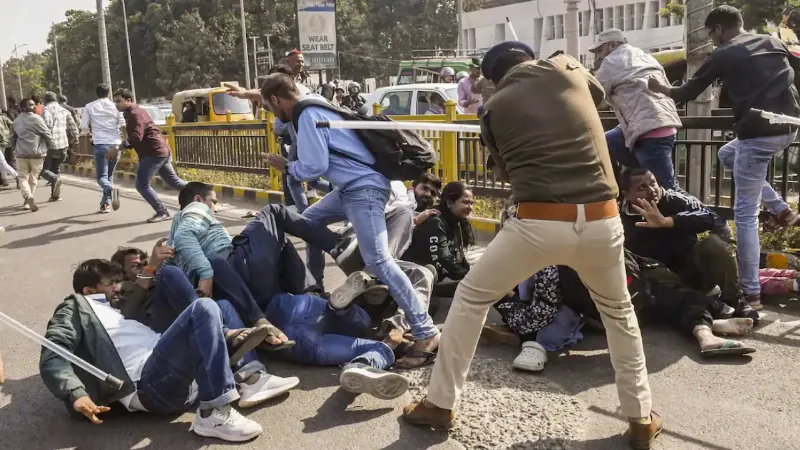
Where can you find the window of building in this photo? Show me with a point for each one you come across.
(585, 22)
(550, 28)
(500, 33)
(640, 19)
(619, 17)
(629, 15)
(560, 26)
(598, 20)
(609, 16)
(471, 43)
(654, 20)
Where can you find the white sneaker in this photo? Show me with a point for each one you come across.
(355, 285)
(266, 387)
(532, 357)
(360, 378)
(227, 424)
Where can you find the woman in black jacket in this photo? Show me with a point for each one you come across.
(443, 239)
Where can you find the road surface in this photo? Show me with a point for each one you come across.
(747, 403)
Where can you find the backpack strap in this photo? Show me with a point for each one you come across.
(346, 114)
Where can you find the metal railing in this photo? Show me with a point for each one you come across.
(237, 147)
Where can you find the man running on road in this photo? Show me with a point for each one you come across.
(153, 152)
(105, 123)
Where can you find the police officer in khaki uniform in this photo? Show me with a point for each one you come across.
(545, 137)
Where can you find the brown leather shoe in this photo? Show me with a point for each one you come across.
(643, 436)
(426, 414)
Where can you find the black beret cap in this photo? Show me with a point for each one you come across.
(495, 52)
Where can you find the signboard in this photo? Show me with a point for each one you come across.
(316, 24)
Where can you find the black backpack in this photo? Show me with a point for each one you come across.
(399, 154)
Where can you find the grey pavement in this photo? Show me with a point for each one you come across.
(749, 403)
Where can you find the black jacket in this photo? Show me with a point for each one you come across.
(671, 246)
(439, 242)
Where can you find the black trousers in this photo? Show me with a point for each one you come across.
(711, 263)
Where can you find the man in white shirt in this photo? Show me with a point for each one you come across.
(105, 123)
(161, 373)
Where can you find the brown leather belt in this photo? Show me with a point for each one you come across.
(566, 212)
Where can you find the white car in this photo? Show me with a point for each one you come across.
(414, 99)
(155, 113)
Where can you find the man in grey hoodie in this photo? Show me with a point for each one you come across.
(30, 138)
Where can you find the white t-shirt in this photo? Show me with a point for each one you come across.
(133, 340)
(400, 196)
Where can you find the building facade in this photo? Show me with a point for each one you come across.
(540, 24)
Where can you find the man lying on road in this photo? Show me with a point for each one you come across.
(159, 371)
(158, 300)
(266, 266)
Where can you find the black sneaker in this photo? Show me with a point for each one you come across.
(159, 217)
(719, 309)
(743, 309)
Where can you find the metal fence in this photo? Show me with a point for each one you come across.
(238, 147)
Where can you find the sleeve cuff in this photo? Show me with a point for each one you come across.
(76, 394)
(205, 273)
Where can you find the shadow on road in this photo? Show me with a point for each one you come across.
(334, 413)
(58, 234)
(32, 409)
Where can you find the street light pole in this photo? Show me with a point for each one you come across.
(58, 65)
(103, 43)
(128, 42)
(19, 68)
(244, 44)
(255, 62)
(2, 87)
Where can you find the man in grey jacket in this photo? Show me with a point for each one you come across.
(30, 139)
(645, 136)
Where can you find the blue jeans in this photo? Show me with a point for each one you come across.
(229, 285)
(173, 293)
(298, 192)
(104, 170)
(192, 349)
(749, 160)
(364, 208)
(654, 154)
(147, 169)
(323, 337)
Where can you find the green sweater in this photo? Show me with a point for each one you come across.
(75, 327)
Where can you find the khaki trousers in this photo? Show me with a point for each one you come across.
(522, 248)
(28, 170)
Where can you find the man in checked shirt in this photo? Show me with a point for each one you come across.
(61, 124)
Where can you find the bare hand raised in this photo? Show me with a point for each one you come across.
(161, 253)
(654, 218)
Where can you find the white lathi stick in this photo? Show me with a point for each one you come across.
(511, 28)
(413, 126)
(780, 118)
(61, 351)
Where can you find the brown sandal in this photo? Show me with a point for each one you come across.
(273, 331)
(242, 340)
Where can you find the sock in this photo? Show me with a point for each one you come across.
(641, 420)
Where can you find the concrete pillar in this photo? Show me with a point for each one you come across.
(571, 29)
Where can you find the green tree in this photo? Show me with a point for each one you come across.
(30, 67)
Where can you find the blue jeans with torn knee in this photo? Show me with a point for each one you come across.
(364, 208)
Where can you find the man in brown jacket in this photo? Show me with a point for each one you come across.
(545, 136)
